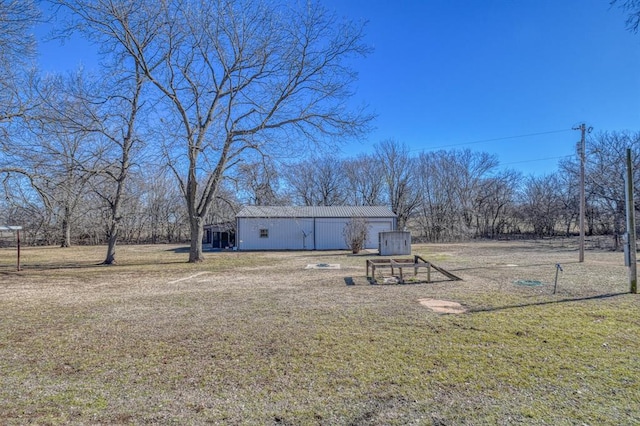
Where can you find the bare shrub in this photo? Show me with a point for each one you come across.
(355, 233)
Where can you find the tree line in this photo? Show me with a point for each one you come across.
(441, 196)
(456, 195)
(196, 108)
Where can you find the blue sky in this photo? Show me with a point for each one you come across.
(446, 73)
(455, 74)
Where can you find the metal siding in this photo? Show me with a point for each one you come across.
(329, 233)
(375, 227)
(284, 234)
(305, 228)
(289, 233)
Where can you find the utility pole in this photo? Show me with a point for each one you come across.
(630, 247)
(581, 152)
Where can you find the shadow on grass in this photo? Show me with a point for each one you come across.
(180, 250)
(549, 302)
(41, 267)
(372, 281)
(186, 249)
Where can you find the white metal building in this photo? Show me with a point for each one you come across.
(307, 228)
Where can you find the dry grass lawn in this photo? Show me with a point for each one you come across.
(256, 338)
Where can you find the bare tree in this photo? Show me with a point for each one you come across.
(57, 161)
(318, 181)
(438, 211)
(468, 170)
(541, 204)
(17, 46)
(365, 180)
(164, 211)
(399, 171)
(355, 233)
(224, 210)
(330, 181)
(258, 181)
(300, 182)
(495, 196)
(606, 153)
(462, 195)
(54, 176)
(115, 121)
(20, 204)
(233, 76)
(569, 191)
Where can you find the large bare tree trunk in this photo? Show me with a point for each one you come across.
(111, 246)
(196, 225)
(114, 220)
(65, 240)
(114, 223)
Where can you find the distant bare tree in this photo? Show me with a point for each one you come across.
(438, 212)
(468, 171)
(301, 182)
(494, 201)
(400, 178)
(54, 176)
(224, 209)
(330, 181)
(57, 161)
(21, 205)
(569, 191)
(318, 181)
(164, 208)
(462, 195)
(541, 204)
(259, 180)
(605, 171)
(365, 181)
(232, 77)
(17, 46)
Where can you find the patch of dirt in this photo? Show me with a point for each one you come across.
(443, 306)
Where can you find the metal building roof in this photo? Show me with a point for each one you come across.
(315, 211)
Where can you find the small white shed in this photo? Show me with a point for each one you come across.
(307, 228)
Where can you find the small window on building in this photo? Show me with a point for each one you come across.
(264, 233)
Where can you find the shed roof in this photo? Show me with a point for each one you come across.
(315, 211)
(220, 227)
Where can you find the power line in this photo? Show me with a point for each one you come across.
(537, 159)
(492, 140)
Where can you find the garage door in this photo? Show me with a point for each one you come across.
(374, 229)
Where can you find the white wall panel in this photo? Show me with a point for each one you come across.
(329, 234)
(375, 227)
(284, 234)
